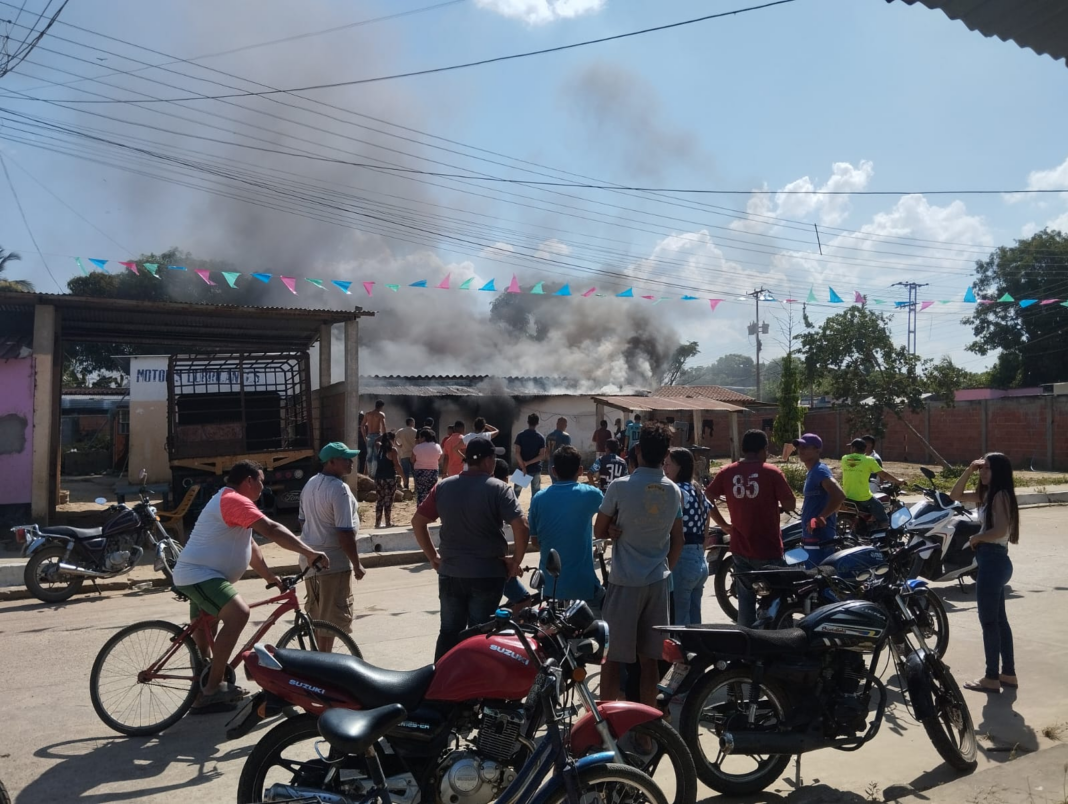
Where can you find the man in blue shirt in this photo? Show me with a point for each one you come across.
(529, 453)
(823, 497)
(561, 518)
(634, 431)
(609, 466)
(556, 439)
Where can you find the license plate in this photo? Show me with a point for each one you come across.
(673, 680)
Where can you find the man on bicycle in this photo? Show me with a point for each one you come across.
(218, 552)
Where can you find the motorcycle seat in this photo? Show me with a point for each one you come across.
(73, 533)
(353, 732)
(371, 686)
(733, 640)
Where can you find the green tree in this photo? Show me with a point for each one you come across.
(677, 366)
(791, 415)
(733, 369)
(1027, 337)
(6, 258)
(856, 359)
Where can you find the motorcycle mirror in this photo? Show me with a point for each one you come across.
(900, 517)
(553, 565)
(101, 501)
(796, 556)
(927, 473)
(537, 580)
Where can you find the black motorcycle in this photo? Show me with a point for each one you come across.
(61, 557)
(764, 696)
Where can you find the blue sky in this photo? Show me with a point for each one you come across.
(847, 94)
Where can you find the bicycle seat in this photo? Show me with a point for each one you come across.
(733, 640)
(353, 732)
(73, 533)
(371, 685)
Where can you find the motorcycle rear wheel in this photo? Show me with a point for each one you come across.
(713, 707)
(40, 564)
(726, 592)
(603, 784)
(951, 729)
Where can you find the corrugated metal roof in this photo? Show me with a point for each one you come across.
(12, 347)
(1041, 25)
(418, 390)
(717, 392)
(647, 403)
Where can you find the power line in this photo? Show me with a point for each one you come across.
(26, 223)
(434, 70)
(12, 60)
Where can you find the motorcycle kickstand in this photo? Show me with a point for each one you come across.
(960, 583)
(96, 587)
(797, 772)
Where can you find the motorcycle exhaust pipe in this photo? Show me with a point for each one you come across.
(284, 792)
(70, 569)
(756, 742)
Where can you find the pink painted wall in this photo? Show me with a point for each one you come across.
(978, 394)
(16, 430)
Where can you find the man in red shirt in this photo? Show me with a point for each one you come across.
(756, 493)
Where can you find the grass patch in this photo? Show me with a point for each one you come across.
(795, 475)
(1056, 732)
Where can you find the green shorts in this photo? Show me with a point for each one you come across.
(210, 596)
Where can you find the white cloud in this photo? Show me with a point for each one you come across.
(540, 12)
(552, 248)
(1060, 223)
(1052, 179)
(497, 249)
(1028, 229)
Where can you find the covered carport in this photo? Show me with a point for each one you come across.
(47, 321)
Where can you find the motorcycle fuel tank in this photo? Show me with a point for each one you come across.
(495, 667)
(124, 521)
(847, 563)
(853, 624)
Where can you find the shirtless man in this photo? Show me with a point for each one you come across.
(374, 425)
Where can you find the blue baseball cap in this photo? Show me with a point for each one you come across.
(336, 449)
(809, 440)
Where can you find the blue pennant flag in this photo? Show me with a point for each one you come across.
(564, 291)
(834, 297)
(1028, 302)
(488, 286)
(342, 284)
(901, 304)
(420, 284)
(626, 294)
(263, 277)
(99, 263)
(689, 298)
(176, 267)
(969, 296)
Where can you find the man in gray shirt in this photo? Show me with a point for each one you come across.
(473, 565)
(646, 510)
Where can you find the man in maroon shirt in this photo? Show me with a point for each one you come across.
(756, 493)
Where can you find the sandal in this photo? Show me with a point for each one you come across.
(221, 700)
(979, 686)
(1005, 682)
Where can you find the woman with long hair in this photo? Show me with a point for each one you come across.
(426, 457)
(387, 472)
(689, 576)
(999, 517)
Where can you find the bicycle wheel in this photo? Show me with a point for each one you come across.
(302, 638)
(676, 777)
(128, 701)
(612, 784)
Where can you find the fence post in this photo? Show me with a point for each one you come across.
(1049, 432)
(983, 411)
(927, 431)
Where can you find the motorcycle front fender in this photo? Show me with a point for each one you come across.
(622, 716)
(556, 781)
(918, 683)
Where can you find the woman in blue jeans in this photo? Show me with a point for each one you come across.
(999, 516)
(689, 576)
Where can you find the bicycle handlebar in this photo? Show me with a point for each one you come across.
(290, 581)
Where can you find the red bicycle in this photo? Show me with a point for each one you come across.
(147, 676)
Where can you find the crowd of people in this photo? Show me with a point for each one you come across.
(642, 496)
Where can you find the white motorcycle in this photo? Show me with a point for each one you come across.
(947, 525)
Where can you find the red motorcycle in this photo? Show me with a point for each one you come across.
(471, 719)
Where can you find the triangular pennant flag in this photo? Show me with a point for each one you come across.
(857, 298)
(467, 284)
(231, 277)
(662, 298)
(791, 301)
(1006, 298)
(368, 286)
(1028, 302)
(880, 301)
(714, 303)
(812, 295)
(969, 296)
(564, 291)
(489, 286)
(444, 283)
(689, 298)
(263, 277)
(290, 282)
(79, 261)
(650, 298)
(205, 275)
(834, 298)
(130, 266)
(944, 301)
(513, 286)
(420, 284)
(176, 267)
(589, 293)
(1050, 301)
(986, 301)
(152, 267)
(99, 263)
(626, 294)
(1064, 304)
(343, 285)
(599, 295)
(394, 288)
(925, 305)
(537, 289)
(317, 282)
(901, 304)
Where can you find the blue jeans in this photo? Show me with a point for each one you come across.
(995, 571)
(746, 596)
(535, 485)
(514, 591)
(406, 467)
(464, 602)
(372, 458)
(688, 579)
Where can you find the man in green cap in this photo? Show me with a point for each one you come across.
(330, 522)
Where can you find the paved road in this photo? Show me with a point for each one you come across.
(54, 749)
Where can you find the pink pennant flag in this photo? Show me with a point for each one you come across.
(205, 275)
(925, 305)
(791, 301)
(986, 301)
(857, 298)
(444, 284)
(290, 283)
(130, 266)
(650, 298)
(714, 303)
(589, 292)
(1050, 301)
(514, 286)
(368, 286)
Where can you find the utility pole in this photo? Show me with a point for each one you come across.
(913, 287)
(758, 329)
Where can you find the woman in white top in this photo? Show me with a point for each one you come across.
(426, 455)
(999, 516)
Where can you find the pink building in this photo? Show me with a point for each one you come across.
(16, 424)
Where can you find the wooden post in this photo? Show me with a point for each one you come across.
(927, 431)
(45, 320)
(1049, 432)
(983, 411)
(735, 441)
(695, 436)
(352, 382)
